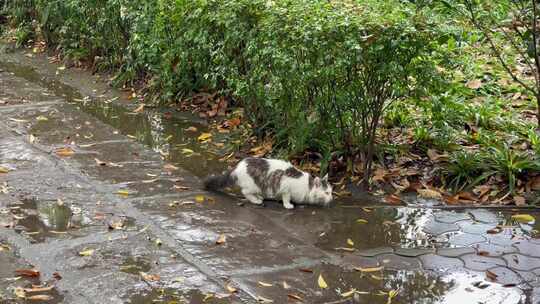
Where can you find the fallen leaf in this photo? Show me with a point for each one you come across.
(519, 201)
(150, 277)
(523, 218)
(191, 129)
(88, 252)
(379, 175)
(434, 156)
(345, 249)
(4, 169)
(66, 151)
(483, 253)
(19, 292)
(376, 277)
(474, 84)
(123, 192)
(187, 151)
(57, 276)
(369, 269)
(264, 300)
(170, 167)
(264, 284)
(491, 276)
(204, 136)
(99, 162)
(285, 285)
(221, 240)
(295, 297)
(39, 289)
(361, 221)
(139, 109)
(199, 198)
(231, 289)
(429, 193)
(350, 242)
(306, 270)
(349, 293)
(41, 118)
(391, 294)
(392, 199)
(322, 282)
(32, 273)
(158, 242)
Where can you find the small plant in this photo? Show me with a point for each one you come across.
(465, 169)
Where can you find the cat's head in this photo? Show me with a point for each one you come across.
(321, 191)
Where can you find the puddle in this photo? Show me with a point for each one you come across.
(134, 265)
(8, 280)
(43, 220)
(160, 130)
(174, 296)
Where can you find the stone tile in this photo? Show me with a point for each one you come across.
(465, 239)
(475, 227)
(521, 262)
(455, 252)
(528, 248)
(481, 263)
(484, 216)
(436, 262)
(434, 227)
(451, 217)
(529, 277)
(413, 252)
(494, 250)
(396, 262)
(506, 276)
(375, 251)
(353, 260)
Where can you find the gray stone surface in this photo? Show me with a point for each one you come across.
(528, 248)
(481, 263)
(484, 216)
(521, 262)
(493, 250)
(506, 276)
(464, 239)
(413, 252)
(455, 252)
(436, 262)
(451, 217)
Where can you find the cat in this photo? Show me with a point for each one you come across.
(261, 178)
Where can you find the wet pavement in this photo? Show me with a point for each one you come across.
(107, 204)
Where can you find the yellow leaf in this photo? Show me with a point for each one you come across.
(67, 151)
(264, 300)
(285, 285)
(231, 289)
(322, 282)
(345, 249)
(376, 277)
(361, 221)
(199, 198)
(139, 109)
(41, 118)
(391, 294)
(19, 292)
(158, 242)
(350, 242)
(348, 293)
(204, 136)
(3, 170)
(264, 284)
(123, 192)
(523, 218)
(369, 269)
(429, 193)
(88, 252)
(221, 240)
(187, 151)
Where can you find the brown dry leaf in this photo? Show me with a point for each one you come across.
(4, 169)
(483, 253)
(40, 298)
(494, 230)
(491, 276)
(392, 199)
(191, 129)
(261, 150)
(57, 276)
(66, 151)
(295, 297)
(534, 183)
(474, 84)
(221, 240)
(429, 193)
(32, 273)
(452, 200)
(306, 270)
(519, 201)
(170, 167)
(481, 190)
(150, 277)
(139, 109)
(39, 289)
(379, 175)
(264, 284)
(369, 269)
(435, 156)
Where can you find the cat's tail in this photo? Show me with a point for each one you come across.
(217, 182)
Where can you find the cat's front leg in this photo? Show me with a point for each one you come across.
(287, 201)
(253, 198)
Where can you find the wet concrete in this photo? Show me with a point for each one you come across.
(131, 228)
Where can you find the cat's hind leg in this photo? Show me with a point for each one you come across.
(287, 201)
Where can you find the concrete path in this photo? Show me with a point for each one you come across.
(92, 202)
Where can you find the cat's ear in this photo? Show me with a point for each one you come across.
(317, 182)
(325, 178)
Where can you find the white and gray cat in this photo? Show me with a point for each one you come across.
(261, 178)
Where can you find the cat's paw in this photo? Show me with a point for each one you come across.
(288, 206)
